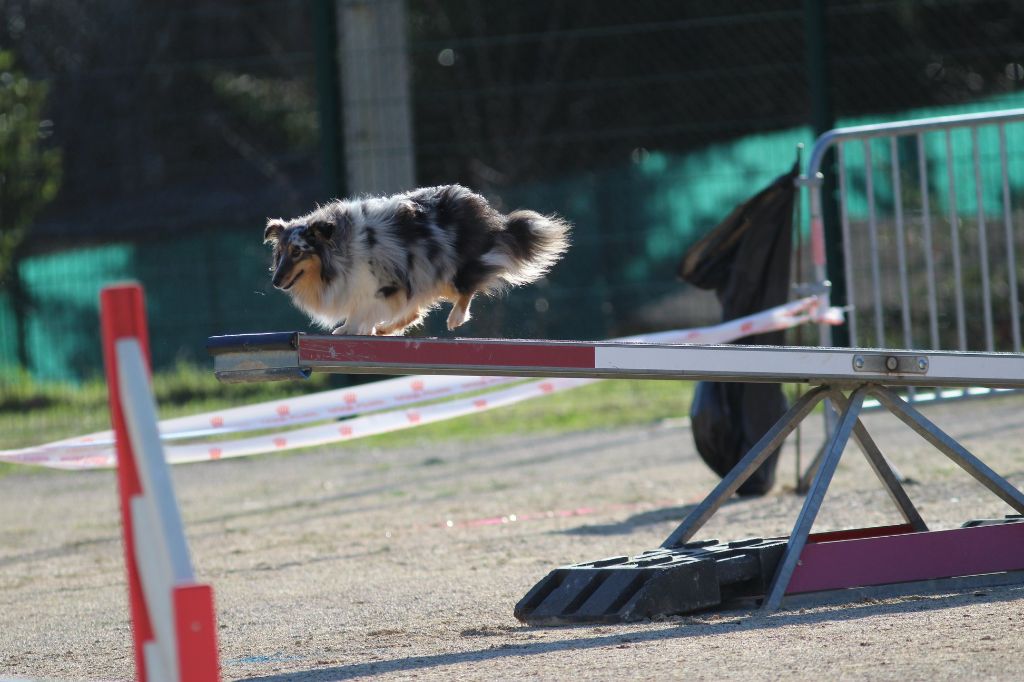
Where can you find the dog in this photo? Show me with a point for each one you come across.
(378, 265)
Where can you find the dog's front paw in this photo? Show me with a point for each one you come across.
(353, 329)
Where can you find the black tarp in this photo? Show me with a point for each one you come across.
(746, 260)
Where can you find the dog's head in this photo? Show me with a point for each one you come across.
(301, 249)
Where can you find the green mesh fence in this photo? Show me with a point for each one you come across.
(183, 126)
(632, 221)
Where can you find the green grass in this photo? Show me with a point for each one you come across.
(602, 405)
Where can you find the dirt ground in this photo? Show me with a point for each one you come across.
(354, 562)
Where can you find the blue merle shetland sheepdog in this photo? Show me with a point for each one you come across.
(376, 266)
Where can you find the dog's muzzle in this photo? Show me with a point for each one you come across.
(285, 275)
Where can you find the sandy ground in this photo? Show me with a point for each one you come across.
(356, 562)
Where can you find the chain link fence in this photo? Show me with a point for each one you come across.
(181, 127)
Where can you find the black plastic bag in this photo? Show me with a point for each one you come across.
(745, 259)
(727, 419)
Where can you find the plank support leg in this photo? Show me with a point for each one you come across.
(883, 470)
(948, 446)
(814, 498)
(746, 467)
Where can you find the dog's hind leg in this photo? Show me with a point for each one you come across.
(460, 310)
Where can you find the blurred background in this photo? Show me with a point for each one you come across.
(151, 140)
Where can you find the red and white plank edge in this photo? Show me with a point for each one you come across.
(385, 404)
(606, 359)
(173, 621)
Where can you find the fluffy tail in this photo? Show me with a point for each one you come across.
(531, 243)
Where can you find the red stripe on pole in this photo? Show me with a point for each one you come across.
(195, 626)
(123, 315)
(388, 351)
(818, 242)
(909, 557)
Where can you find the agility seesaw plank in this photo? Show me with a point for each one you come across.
(682, 575)
(288, 355)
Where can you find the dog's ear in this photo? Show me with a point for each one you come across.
(272, 234)
(323, 230)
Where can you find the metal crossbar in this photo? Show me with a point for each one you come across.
(849, 424)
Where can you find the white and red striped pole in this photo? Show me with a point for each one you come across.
(123, 317)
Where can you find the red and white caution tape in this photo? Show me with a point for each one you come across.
(324, 434)
(334, 404)
(386, 405)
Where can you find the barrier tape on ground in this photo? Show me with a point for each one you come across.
(378, 402)
(334, 404)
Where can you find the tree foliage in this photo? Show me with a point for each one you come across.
(30, 171)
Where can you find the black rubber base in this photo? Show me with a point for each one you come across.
(660, 582)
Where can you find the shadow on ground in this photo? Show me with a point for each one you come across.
(647, 518)
(682, 628)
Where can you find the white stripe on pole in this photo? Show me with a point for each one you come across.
(161, 551)
(158, 490)
(154, 565)
(155, 668)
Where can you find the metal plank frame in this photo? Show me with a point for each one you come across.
(858, 372)
(258, 357)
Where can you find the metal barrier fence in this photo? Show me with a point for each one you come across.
(910, 281)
